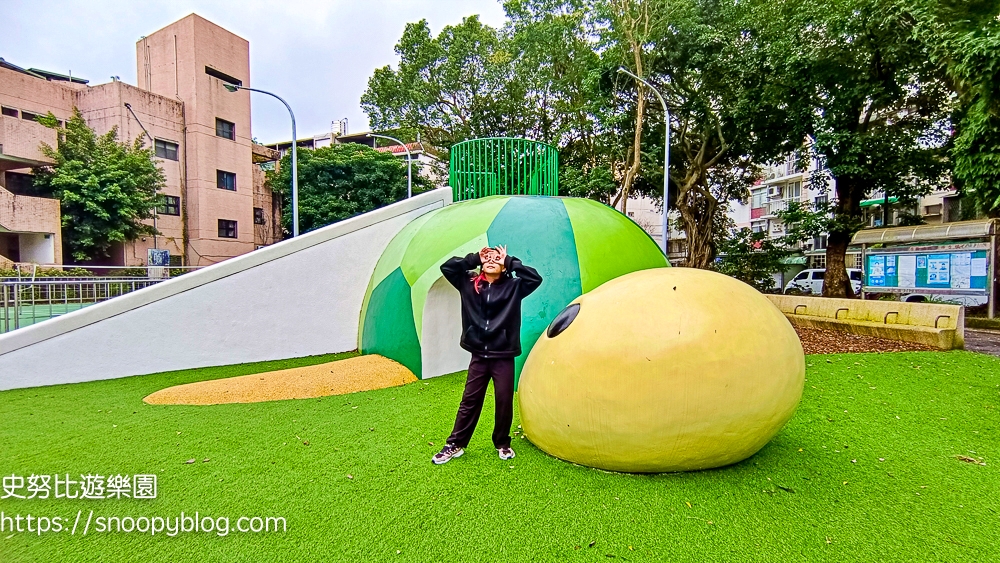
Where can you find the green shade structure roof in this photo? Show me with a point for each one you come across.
(575, 244)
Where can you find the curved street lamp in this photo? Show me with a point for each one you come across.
(666, 155)
(409, 162)
(295, 156)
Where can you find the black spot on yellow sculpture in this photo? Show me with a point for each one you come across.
(668, 369)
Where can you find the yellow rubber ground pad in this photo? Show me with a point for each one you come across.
(362, 373)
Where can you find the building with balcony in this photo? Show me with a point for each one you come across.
(792, 181)
(200, 133)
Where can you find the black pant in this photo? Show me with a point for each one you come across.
(481, 370)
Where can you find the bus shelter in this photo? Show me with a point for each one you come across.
(948, 259)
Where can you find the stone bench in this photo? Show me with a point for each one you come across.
(936, 325)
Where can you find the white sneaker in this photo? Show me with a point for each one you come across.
(447, 452)
(506, 452)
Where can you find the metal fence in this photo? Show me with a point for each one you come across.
(502, 166)
(26, 301)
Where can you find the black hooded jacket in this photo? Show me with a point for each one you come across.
(491, 318)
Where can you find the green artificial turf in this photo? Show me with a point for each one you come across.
(865, 471)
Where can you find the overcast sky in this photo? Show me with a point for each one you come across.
(317, 54)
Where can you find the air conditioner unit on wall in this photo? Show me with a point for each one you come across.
(774, 191)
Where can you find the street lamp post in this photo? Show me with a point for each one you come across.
(295, 156)
(666, 155)
(409, 164)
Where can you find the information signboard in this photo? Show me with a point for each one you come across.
(955, 267)
(157, 260)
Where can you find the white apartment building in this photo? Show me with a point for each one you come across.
(787, 181)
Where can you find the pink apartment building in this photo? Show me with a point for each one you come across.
(216, 206)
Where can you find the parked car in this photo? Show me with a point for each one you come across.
(810, 281)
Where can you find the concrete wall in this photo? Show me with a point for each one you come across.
(296, 298)
(37, 248)
(34, 218)
(21, 137)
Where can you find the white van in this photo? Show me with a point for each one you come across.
(810, 281)
(966, 300)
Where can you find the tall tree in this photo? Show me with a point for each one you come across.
(106, 188)
(631, 25)
(562, 56)
(871, 100)
(724, 107)
(728, 111)
(341, 181)
(461, 84)
(963, 37)
(574, 91)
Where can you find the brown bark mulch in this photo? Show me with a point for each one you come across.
(819, 341)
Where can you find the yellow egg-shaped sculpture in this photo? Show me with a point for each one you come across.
(667, 369)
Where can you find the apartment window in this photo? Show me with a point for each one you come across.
(225, 129)
(171, 206)
(819, 243)
(29, 116)
(758, 198)
(821, 201)
(9, 112)
(793, 191)
(258, 216)
(227, 228)
(165, 149)
(225, 180)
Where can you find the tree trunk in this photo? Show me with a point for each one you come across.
(698, 209)
(836, 283)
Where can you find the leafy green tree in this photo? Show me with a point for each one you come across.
(341, 181)
(106, 188)
(459, 85)
(868, 94)
(576, 107)
(725, 109)
(963, 37)
(751, 257)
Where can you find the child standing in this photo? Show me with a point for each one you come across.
(491, 331)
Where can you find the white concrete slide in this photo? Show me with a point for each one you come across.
(299, 297)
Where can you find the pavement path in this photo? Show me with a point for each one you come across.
(983, 341)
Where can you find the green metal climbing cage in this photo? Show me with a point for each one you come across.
(502, 166)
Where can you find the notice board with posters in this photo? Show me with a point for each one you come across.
(961, 267)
